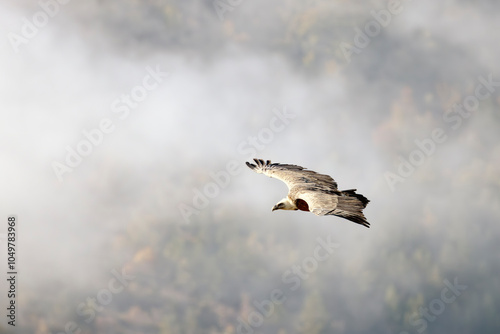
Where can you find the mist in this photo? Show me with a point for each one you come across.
(125, 128)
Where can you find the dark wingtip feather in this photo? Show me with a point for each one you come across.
(261, 162)
(361, 198)
(359, 220)
(251, 166)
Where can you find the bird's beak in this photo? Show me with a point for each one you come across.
(274, 208)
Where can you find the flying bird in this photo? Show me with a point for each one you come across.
(313, 192)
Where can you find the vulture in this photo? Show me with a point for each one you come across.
(313, 192)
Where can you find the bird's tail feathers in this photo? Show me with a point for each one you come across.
(350, 206)
(352, 193)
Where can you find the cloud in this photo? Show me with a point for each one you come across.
(118, 208)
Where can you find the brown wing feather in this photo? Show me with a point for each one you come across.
(293, 175)
(315, 192)
(344, 205)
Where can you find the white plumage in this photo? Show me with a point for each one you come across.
(310, 191)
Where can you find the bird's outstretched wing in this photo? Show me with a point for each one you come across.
(294, 176)
(347, 204)
(315, 192)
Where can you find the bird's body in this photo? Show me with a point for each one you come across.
(313, 192)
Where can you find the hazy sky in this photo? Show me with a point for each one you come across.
(173, 92)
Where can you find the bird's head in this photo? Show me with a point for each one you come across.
(285, 204)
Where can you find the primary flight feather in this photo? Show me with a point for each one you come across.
(310, 191)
